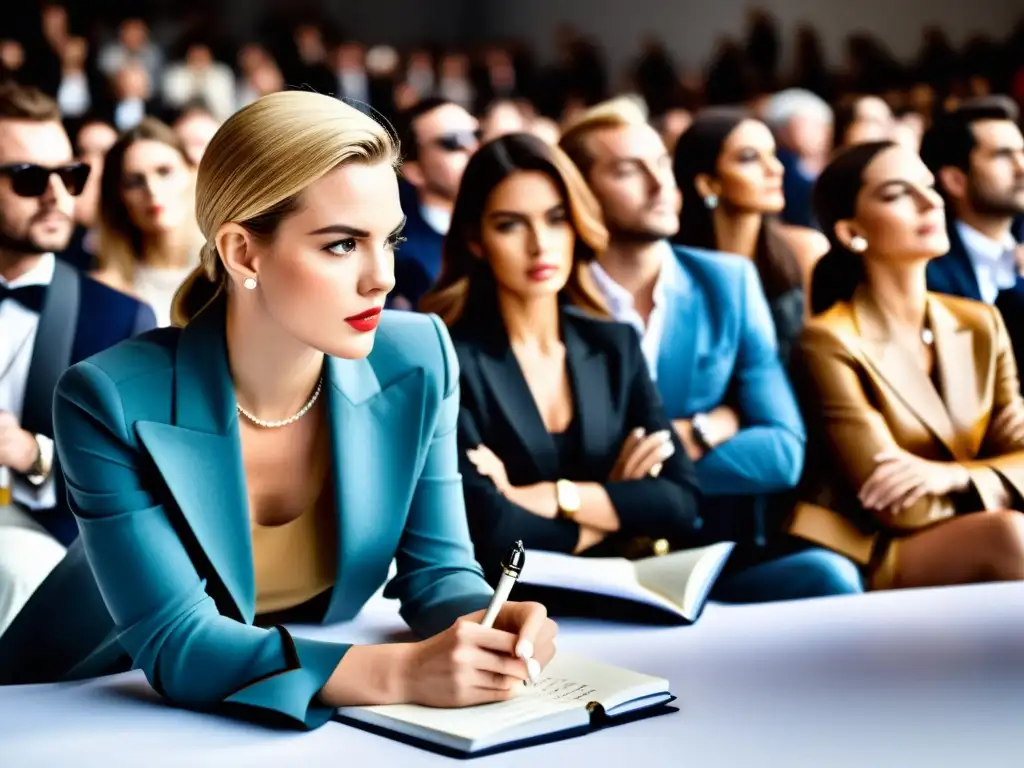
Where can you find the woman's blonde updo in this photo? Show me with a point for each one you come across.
(257, 165)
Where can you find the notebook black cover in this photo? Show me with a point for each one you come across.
(598, 722)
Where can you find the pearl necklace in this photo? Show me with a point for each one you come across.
(284, 422)
(927, 337)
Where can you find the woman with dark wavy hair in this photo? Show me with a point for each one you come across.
(563, 441)
(731, 182)
(915, 394)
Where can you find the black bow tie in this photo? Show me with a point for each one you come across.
(29, 296)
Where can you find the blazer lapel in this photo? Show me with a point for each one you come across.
(592, 393)
(677, 353)
(957, 368)
(501, 370)
(895, 366)
(199, 456)
(51, 354)
(374, 451)
(958, 266)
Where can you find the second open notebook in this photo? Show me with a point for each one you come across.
(573, 696)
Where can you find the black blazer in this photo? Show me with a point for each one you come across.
(612, 395)
(954, 274)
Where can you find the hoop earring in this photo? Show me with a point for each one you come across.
(249, 283)
(858, 244)
(711, 202)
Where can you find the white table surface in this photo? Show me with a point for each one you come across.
(918, 678)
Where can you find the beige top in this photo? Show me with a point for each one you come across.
(296, 561)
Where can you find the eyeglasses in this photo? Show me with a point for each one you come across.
(458, 141)
(29, 180)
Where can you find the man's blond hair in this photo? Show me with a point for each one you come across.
(614, 113)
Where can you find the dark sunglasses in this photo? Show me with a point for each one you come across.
(29, 180)
(458, 141)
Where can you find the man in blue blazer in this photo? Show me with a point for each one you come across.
(51, 316)
(977, 156)
(710, 344)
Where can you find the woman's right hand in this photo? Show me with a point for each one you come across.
(466, 664)
(642, 455)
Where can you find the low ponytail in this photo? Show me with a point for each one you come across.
(203, 284)
(835, 278)
(838, 273)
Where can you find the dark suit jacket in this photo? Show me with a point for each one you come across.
(954, 274)
(612, 395)
(80, 317)
(418, 262)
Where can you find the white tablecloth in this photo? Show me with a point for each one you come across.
(919, 678)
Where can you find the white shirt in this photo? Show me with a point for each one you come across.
(73, 95)
(438, 219)
(157, 288)
(621, 305)
(129, 113)
(995, 267)
(18, 327)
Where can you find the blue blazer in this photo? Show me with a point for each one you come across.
(79, 318)
(954, 274)
(718, 347)
(148, 436)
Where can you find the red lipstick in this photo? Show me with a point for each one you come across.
(366, 321)
(542, 272)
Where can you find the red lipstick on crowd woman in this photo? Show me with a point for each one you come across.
(366, 321)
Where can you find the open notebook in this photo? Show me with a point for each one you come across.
(678, 583)
(573, 696)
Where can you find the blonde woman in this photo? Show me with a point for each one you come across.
(148, 238)
(267, 462)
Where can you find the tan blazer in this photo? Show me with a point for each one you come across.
(864, 394)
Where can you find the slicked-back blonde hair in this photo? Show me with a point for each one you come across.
(258, 164)
(614, 113)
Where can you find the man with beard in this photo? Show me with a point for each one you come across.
(710, 345)
(437, 138)
(977, 156)
(50, 317)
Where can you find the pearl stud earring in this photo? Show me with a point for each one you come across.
(249, 283)
(711, 202)
(858, 244)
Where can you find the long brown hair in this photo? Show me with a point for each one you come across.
(466, 281)
(697, 153)
(120, 241)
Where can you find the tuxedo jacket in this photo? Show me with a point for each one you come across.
(868, 397)
(162, 574)
(954, 274)
(612, 395)
(80, 317)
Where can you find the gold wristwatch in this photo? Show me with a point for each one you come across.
(568, 497)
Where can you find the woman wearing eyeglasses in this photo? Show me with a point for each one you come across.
(148, 238)
(50, 317)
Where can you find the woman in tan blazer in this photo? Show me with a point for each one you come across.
(914, 396)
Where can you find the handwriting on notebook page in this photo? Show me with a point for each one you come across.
(548, 696)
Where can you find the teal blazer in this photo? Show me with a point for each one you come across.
(147, 433)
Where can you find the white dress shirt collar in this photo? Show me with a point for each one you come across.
(40, 274)
(994, 263)
(623, 308)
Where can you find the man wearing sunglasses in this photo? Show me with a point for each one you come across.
(437, 138)
(51, 316)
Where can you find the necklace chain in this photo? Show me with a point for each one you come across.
(290, 420)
